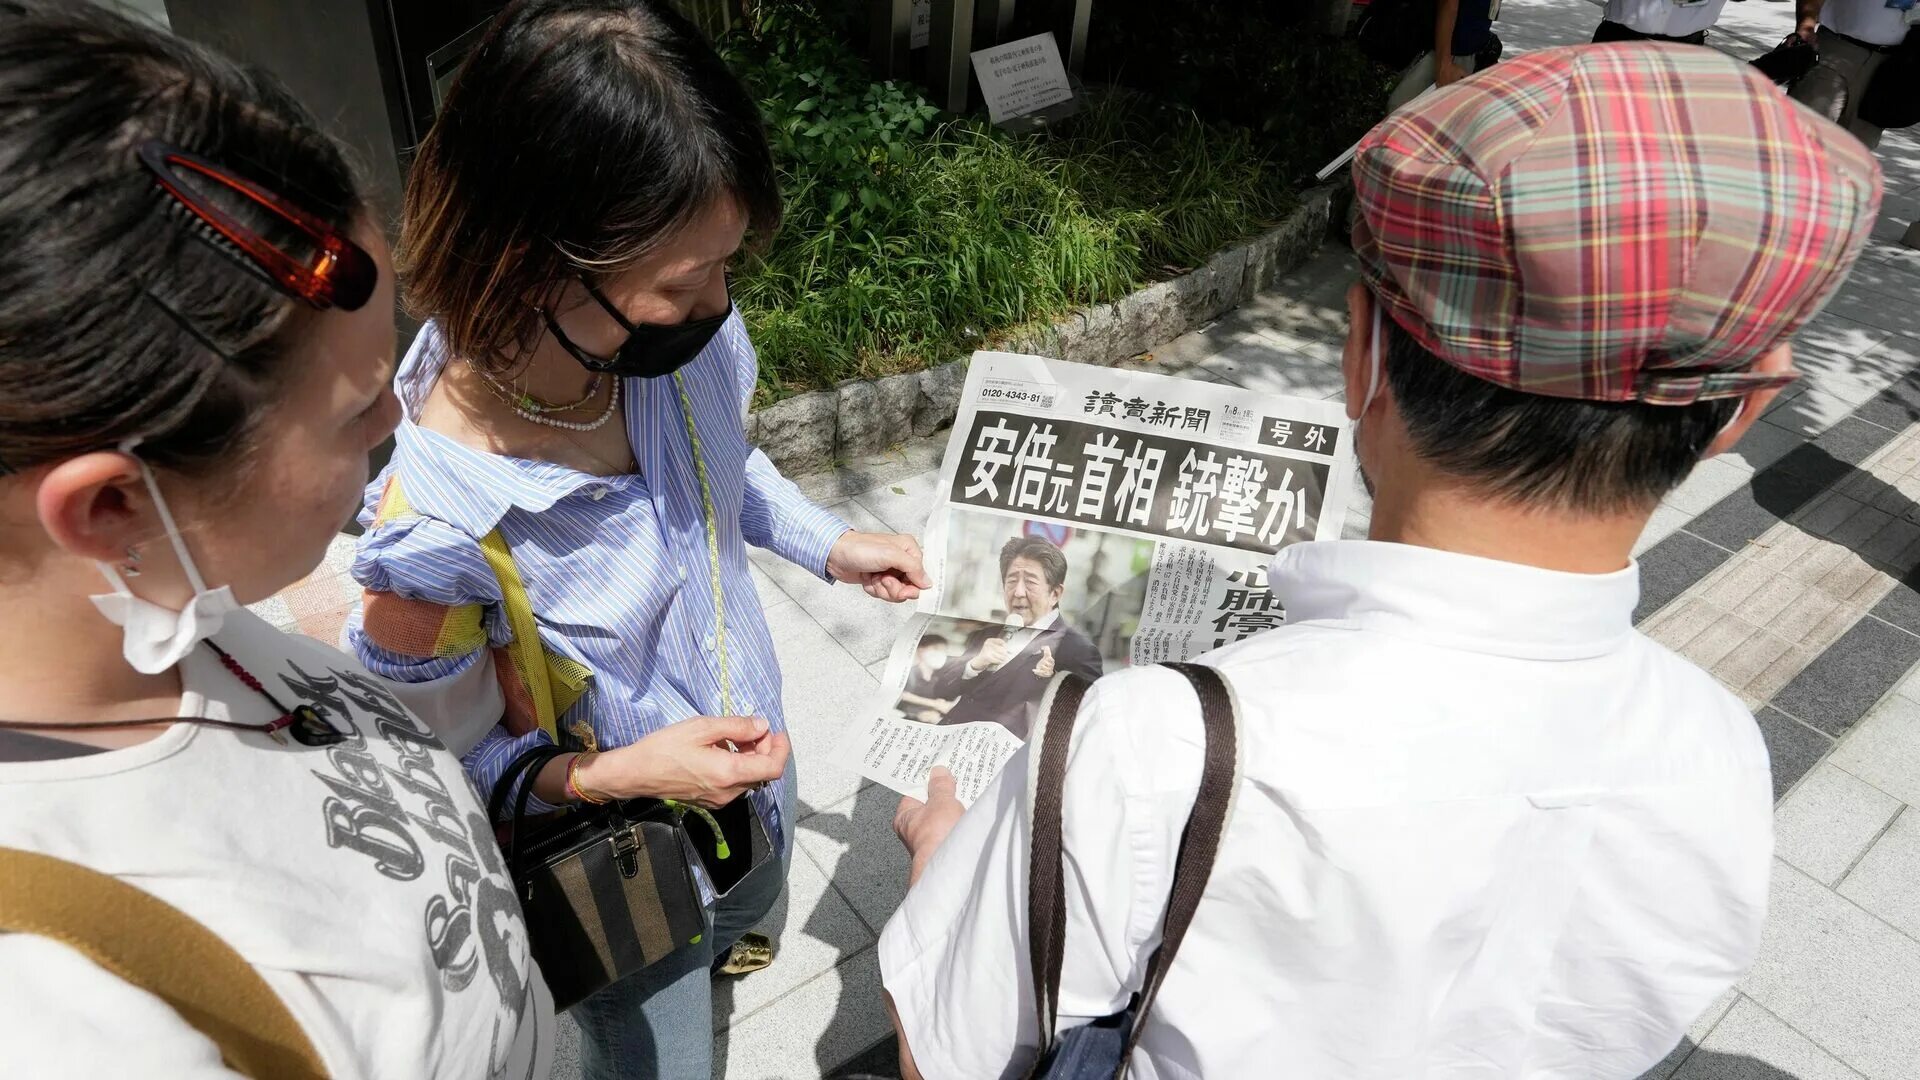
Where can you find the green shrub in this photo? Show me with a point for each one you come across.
(912, 236)
(1261, 66)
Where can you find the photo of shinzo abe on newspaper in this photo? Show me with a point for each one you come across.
(1089, 519)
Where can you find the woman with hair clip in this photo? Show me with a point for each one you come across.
(223, 850)
(573, 412)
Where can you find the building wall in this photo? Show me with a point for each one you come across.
(156, 10)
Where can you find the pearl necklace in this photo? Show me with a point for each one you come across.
(532, 417)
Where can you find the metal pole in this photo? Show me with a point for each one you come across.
(891, 25)
(991, 21)
(1070, 20)
(949, 49)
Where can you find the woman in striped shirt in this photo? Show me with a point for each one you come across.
(576, 399)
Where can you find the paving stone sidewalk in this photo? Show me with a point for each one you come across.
(1789, 568)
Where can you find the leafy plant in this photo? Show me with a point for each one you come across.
(1261, 66)
(840, 138)
(913, 236)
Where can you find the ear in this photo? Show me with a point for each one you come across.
(1777, 362)
(1354, 362)
(94, 505)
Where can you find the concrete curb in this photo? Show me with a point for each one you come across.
(809, 432)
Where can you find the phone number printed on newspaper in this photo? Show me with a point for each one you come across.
(1013, 392)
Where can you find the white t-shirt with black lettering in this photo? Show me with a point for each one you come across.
(361, 880)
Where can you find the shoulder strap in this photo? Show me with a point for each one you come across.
(157, 947)
(528, 655)
(532, 665)
(1046, 903)
(1193, 864)
(1200, 841)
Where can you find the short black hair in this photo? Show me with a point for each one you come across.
(579, 136)
(1561, 453)
(931, 639)
(1053, 562)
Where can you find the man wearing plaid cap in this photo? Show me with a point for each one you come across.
(1481, 826)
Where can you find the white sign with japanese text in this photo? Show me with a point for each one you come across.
(1089, 519)
(1021, 77)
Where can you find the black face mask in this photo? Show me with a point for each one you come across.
(650, 351)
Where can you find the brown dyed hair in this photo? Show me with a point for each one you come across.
(580, 136)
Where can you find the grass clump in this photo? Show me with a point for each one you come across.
(912, 236)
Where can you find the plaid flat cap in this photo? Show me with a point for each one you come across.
(1632, 222)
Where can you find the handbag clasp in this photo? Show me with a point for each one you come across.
(626, 849)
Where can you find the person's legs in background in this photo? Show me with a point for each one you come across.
(658, 1022)
(1865, 132)
(1834, 87)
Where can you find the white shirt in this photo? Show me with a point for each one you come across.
(362, 881)
(1671, 18)
(1483, 829)
(1871, 21)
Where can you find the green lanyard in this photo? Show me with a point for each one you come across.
(719, 595)
(713, 547)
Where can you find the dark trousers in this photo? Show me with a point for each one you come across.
(1613, 31)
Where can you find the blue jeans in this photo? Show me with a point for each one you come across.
(657, 1024)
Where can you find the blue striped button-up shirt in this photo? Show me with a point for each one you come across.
(617, 568)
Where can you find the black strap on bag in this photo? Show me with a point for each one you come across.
(1105, 1047)
(528, 765)
(1046, 901)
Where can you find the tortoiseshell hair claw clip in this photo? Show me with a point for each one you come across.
(339, 274)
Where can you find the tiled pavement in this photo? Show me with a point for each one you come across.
(1790, 568)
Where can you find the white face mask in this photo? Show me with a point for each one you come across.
(1373, 366)
(155, 638)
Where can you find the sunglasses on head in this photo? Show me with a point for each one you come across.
(338, 274)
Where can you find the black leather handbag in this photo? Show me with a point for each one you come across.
(608, 890)
(1787, 61)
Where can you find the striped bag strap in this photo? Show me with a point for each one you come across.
(537, 670)
(155, 946)
(528, 655)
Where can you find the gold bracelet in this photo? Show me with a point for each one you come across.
(579, 790)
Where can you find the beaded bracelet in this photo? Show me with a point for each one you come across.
(575, 790)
